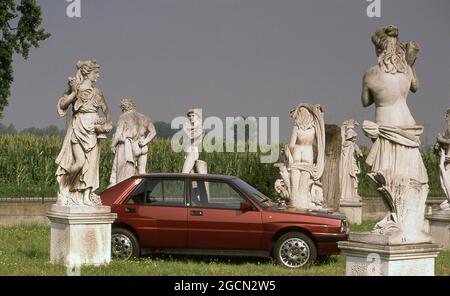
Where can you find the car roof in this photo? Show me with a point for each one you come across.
(181, 175)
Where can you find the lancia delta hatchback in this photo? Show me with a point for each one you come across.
(215, 215)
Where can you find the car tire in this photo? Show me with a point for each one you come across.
(295, 250)
(124, 244)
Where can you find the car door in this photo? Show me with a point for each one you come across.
(215, 220)
(157, 211)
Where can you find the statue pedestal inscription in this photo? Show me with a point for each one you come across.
(369, 254)
(352, 210)
(440, 228)
(80, 235)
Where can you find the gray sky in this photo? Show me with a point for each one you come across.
(231, 57)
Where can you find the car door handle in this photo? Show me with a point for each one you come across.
(196, 213)
(130, 210)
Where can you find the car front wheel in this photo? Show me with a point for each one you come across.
(124, 244)
(295, 250)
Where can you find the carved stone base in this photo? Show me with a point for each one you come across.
(80, 235)
(384, 259)
(439, 223)
(352, 210)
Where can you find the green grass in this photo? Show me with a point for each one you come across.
(24, 250)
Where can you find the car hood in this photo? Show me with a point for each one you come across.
(318, 213)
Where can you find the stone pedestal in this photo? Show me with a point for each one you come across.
(80, 235)
(352, 210)
(370, 254)
(439, 225)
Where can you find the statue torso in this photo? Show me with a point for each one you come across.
(389, 93)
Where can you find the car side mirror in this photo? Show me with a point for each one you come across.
(245, 207)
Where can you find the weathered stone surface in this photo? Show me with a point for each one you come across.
(130, 143)
(352, 210)
(439, 224)
(303, 161)
(80, 235)
(194, 135)
(78, 161)
(397, 167)
(378, 259)
(330, 177)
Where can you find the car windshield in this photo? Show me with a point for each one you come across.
(256, 195)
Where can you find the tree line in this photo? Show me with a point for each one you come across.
(163, 130)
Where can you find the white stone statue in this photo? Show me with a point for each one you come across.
(349, 166)
(443, 152)
(283, 186)
(194, 133)
(130, 143)
(396, 163)
(305, 156)
(78, 162)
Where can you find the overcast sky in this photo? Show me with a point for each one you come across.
(231, 57)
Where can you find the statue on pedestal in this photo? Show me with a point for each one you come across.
(78, 161)
(194, 134)
(349, 165)
(442, 149)
(130, 143)
(396, 164)
(305, 157)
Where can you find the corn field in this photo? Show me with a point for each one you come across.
(27, 166)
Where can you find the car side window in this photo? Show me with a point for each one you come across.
(215, 194)
(156, 192)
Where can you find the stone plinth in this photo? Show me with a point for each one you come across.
(80, 235)
(370, 254)
(352, 210)
(439, 223)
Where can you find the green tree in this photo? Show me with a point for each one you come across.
(20, 30)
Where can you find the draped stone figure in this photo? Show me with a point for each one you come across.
(349, 165)
(443, 151)
(130, 143)
(396, 163)
(305, 156)
(194, 135)
(78, 161)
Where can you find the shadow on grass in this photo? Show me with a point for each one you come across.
(209, 259)
(326, 260)
(236, 260)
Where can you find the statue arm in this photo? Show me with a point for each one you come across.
(107, 126)
(415, 81)
(118, 138)
(293, 138)
(151, 134)
(65, 101)
(366, 96)
(442, 173)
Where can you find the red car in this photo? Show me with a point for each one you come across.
(215, 215)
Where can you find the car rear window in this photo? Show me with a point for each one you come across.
(159, 192)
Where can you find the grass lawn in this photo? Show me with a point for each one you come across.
(24, 250)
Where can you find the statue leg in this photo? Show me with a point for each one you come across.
(295, 188)
(113, 178)
(79, 160)
(142, 163)
(189, 163)
(305, 184)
